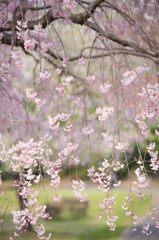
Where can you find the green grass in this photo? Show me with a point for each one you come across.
(68, 228)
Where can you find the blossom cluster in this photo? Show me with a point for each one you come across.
(130, 76)
(127, 205)
(78, 187)
(82, 62)
(24, 156)
(54, 122)
(16, 56)
(142, 180)
(91, 79)
(65, 81)
(105, 87)
(150, 109)
(105, 179)
(22, 28)
(104, 112)
(70, 4)
(107, 210)
(71, 147)
(32, 96)
(78, 102)
(87, 131)
(74, 160)
(108, 138)
(4, 68)
(154, 157)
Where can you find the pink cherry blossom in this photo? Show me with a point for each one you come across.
(82, 62)
(91, 171)
(117, 184)
(74, 160)
(45, 75)
(87, 131)
(29, 45)
(108, 138)
(105, 87)
(22, 32)
(104, 112)
(91, 79)
(70, 4)
(57, 198)
(30, 93)
(78, 102)
(130, 76)
(4, 69)
(65, 60)
(78, 187)
(58, 71)
(40, 102)
(60, 90)
(67, 80)
(121, 146)
(16, 56)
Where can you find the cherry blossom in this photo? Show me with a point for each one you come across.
(108, 138)
(91, 79)
(16, 56)
(29, 45)
(70, 4)
(78, 102)
(121, 146)
(65, 59)
(91, 171)
(106, 206)
(4, 69)
(104, 112)
(117, 184)
(45, 75)
(30, 93)
(53, 122)
(58, 71)
(22, 30)
(67, 80)
(87, 131)
(105, 87)
(154, 157)
(146, 230)
(60, 90)
(130, 76)
(82, 62)
(142, 181)
(71, 147)
(40, 102)
(78, 187)
(57, 198)
(74, 160)
(63, 117)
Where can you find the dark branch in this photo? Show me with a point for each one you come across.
(120, 41)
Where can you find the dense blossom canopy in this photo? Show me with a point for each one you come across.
(78, 86)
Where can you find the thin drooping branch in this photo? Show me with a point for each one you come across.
(113, 51)
(120, 41)
(123, 14)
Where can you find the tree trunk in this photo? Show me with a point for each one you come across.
(17, 178)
